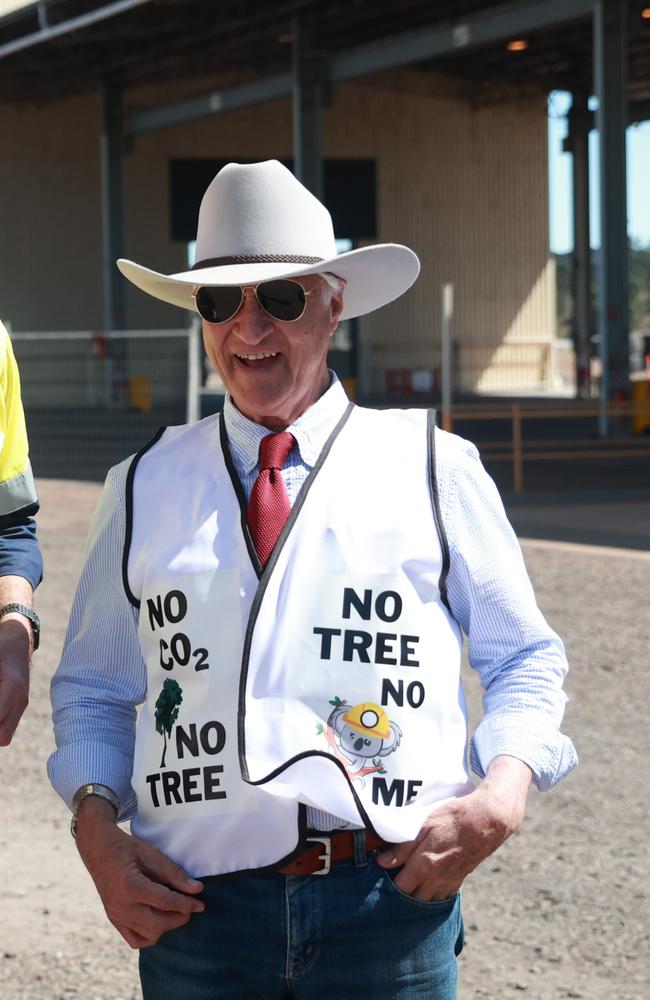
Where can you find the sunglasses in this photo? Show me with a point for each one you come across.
(283, 299)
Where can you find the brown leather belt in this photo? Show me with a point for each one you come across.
(317, 859)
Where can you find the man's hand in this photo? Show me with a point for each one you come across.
(15, 651)
(15, 647)
(462, 833)
(143, 892)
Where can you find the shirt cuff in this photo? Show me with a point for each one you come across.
(548, 753)
(77, 764)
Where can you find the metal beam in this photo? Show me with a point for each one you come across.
(48, 32)
(580, 121)
(307, 100)
(503, 22)
(506, 21)
(43, 22)
(610, 54)
(210, 104)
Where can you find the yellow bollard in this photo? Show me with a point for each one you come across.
(140, 394)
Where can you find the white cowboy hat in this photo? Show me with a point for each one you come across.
(257, 222)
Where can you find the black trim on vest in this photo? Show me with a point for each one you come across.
(435, 503)
(128, 501)
(241, 496)
(367, 822)
(261, 589)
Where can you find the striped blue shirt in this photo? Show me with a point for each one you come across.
(521, 662)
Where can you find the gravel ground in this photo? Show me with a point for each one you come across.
(561, 911)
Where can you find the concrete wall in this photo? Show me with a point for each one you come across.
(466, 187)
(50, 216)
(463, 182)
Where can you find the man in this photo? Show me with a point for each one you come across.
(283, 587)
(21, 565)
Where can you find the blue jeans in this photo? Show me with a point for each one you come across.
(344, 936)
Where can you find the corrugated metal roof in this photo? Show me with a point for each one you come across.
(249, 39)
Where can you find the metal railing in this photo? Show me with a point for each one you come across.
(92, 398)
(518, 451)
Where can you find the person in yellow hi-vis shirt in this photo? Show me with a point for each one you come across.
(21, 564)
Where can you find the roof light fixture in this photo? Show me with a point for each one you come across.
(517, 45)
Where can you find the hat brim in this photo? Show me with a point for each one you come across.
(374, 276)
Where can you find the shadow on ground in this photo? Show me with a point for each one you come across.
(619, 518)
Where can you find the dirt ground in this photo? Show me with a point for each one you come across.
(561, 911)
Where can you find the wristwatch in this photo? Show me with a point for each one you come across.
(101, 791)
(32, 617)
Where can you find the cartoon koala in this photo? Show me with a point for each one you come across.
(363, 732)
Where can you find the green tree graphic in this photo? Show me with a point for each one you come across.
(167, 711)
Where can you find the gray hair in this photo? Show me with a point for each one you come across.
(335, 283)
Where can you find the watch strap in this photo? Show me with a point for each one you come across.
(101, 791)
(29, 614)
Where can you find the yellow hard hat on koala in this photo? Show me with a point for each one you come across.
(369, 718)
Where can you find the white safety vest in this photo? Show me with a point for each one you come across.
(329, 679)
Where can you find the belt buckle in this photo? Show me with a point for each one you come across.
(326, 857)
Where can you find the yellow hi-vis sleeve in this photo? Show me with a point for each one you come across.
(17, 488)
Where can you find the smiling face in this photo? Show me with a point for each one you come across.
(273, 370)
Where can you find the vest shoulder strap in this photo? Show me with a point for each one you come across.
(435, 503)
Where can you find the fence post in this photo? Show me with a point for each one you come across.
(517, 464)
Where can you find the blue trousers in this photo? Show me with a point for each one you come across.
(344, 936)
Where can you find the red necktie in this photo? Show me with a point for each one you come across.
(269, 505)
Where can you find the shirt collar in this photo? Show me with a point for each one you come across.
(311, 430)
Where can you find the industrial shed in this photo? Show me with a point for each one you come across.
(424, 124)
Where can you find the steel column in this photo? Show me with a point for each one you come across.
(307, 101)
(610, 49)
(579, 125)
(111, 146)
